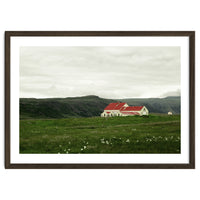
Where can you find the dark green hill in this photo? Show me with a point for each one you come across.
(88, 106)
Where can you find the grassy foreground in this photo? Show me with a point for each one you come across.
(133, 134)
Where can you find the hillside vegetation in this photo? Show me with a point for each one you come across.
(88, 106)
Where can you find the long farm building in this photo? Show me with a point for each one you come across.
(122, 109)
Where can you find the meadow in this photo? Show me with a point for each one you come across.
(132, 134)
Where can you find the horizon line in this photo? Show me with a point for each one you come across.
(98, 97)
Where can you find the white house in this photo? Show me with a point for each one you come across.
(122, 109)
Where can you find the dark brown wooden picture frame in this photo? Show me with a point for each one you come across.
(191, 131)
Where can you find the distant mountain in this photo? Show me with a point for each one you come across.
(157, 105)
(88, 106)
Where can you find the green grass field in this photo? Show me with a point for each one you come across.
(134, 134)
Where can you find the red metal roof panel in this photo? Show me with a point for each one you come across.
(119, 106)
(111, 106)
(115, 106)
(132, 108)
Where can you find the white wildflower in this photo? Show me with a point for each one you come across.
(127, 140)
(102, 141)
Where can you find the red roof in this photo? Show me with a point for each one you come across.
(132, 108)
(111, 106)
(119, 106)
(130, 113)
(115, 106)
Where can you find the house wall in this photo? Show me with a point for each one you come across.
(112, 112)
(127, 115)
(144, 109)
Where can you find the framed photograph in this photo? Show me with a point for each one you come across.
(99, 99)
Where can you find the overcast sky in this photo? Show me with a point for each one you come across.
(108, 72)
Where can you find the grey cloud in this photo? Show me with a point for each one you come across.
(172, 93)
(110, 72)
